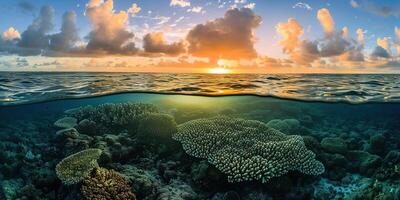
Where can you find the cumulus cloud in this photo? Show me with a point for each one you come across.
(382, 50)
(155, 43)
(326, 20)
(66, 39)
(11, 34)
(230, 37)
(180, 3)
(36, 34)
(290, 31)
(110, 32)
(333, 45)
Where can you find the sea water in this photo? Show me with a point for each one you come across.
(350, 123)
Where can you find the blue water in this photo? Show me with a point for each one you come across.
(20, 87)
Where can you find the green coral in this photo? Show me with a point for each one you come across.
(156, 127)
(114, 116)
(76, 167)
(107, 185)
(246, 149)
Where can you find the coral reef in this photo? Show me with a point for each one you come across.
(156, 128)
(288, 126)
(66, 122)
(359, 151)
(76, 167)
(113, 117)
(246, 149)
(106, 185)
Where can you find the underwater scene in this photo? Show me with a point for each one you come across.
(174, 146)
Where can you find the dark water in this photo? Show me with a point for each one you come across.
(358, 146)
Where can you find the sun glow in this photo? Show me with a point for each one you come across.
(219, 70)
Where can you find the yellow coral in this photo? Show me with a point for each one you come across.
(106, 185)
(76, 167)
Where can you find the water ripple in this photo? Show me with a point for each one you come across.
(22, 87)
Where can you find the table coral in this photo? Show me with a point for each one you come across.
(246, 150)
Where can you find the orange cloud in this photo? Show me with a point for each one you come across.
(326, 20)
(11, 34)
(290, 31)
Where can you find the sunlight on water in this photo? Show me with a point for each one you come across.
(17, 88)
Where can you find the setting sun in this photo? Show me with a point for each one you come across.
(219, 70)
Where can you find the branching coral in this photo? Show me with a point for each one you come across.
(106, 185)
(246, 149)
(76, 167)
(115, 114)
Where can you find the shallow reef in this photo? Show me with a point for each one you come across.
(250, 150)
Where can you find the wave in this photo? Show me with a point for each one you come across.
(25, 87)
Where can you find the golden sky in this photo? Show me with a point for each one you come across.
(239, 38)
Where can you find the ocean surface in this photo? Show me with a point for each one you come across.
(26, 87)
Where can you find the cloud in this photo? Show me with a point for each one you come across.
(155, 43)
(196, 9)
(354, 4)
(381, 9)
(66, 39)
(345, 32)
(380, 52)
(229, 37)
(360, 36)
(326, 20)
(36, 34)
(384, 43)
(250, 6)
(290, 31)
(134, 9)
(110, 32)
(334, 44)
(397, 32)
(11, 34)
(26, 6)
(397, 40)
(302, 5)
(180, 3)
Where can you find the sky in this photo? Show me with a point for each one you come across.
(201, 36)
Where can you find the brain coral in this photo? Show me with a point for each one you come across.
(246, 149)
(76, 167)
(106, 185)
